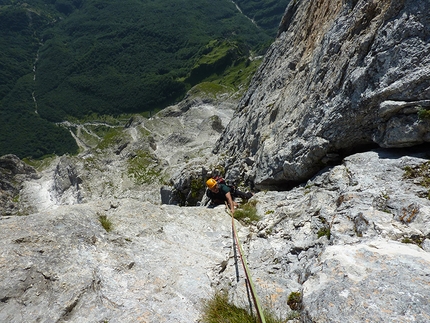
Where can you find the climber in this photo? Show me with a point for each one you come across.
(219, 193)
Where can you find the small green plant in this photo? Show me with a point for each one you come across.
(407, 240)
(269, 212)
(105, 222)
(324, 232)
(415, 239)
(197, 187)
(423, 113)
(110, 136)
(247, 212)
(219, 309)
(295, 301)
(420, 172)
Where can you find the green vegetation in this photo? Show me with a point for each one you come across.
(40, 164)
(420, 174)
(196, 189)
(266, 13)
(295, 301)
(143, 168)
(109, 135)
(415, 239)
(105, 222)
(423, 113)
(65, 59)
(247, 212)
(219, 309)
(324, 232)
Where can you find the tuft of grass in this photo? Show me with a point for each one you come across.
(407, 240)
(415, 239)
(105, 222)
(247, 212)
(218, 309)
(423, 113)
(210, 89)
(420, 172)
(324, 232)
(295, 301)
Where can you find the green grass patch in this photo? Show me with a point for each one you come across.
(105, 222)
(420, 172)
(324, 232)
(423, 114)
(295, 301)
(40, 163)
(209, 89)
(247, 212)
(110, 136)
(218, 309)
(143, 168)
(416, 239)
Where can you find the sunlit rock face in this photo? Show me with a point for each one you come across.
(342, 76)
(357, 234)
(353, 241)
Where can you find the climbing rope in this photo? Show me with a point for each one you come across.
(249, 284)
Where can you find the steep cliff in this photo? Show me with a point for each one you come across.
(340, 77)
(93, 244)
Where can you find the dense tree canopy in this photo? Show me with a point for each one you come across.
(72, 58)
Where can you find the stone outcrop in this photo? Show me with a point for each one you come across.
(357, 234)
(342, 76)
(353, 241)
(13, 174)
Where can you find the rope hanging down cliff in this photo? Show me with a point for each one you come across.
(248, 279)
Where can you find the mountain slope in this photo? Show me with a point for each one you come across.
(74, 58)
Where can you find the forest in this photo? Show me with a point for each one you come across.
(64, 59)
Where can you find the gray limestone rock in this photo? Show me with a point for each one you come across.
(357, 234)
(352, 241)
(367, 282)
(13, 174)
(155, 265)
(341, 77)
(66, 178)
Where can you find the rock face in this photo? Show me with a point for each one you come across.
(62, 266)
(345, 241)
(342, 76)
(356, 234)
(13, 174)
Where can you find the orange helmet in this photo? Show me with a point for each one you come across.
(211, 183)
